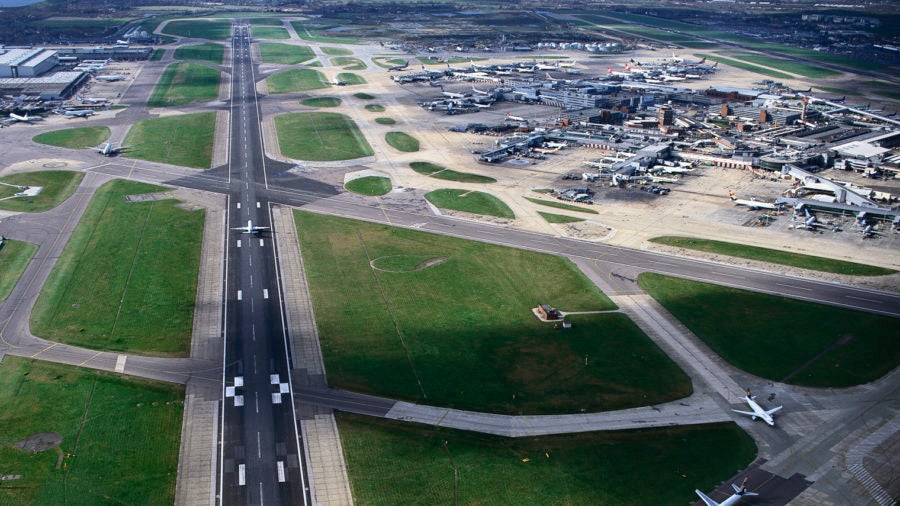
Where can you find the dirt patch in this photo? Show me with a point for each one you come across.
(40, 442)
(430, 262)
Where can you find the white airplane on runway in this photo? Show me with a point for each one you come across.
(739, 493)
(250, 229)
(109, 150)
(757, 412)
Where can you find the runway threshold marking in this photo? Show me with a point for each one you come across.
(240, 295)
(242, 475)
(281, 476)
(265, 293)
(120, 363)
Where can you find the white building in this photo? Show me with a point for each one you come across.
(26, 62)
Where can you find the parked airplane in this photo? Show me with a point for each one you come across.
(510, 117)
(567, 64)
(24, 119)
(757, 412)
(739, 493)
(399, 67)
(870, 231)
(752, 203)
(449, 94)
(76, 113)
(541, 66)
(627, 73)
(110, 78)
(250, 229)
(109, 150)
(90, 100)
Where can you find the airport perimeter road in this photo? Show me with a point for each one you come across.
(262, 461)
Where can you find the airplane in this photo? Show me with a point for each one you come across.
(449, 94)
(112, 78)
(752, 203)
(399, 67)
(558, 145)
(667, 78)
(250, 229)
(109, 150)
(869, 231)
(77, 113)
(739, 493)
(567, 64)
(758, 412)
(90, 100)
(24, 119)
(541, 66)
(510, 117)
(120, 41)
(479, 92)
(628, 73)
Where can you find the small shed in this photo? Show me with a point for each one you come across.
(546, 312)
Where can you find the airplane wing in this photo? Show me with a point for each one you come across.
(748, 413)
(769, 412)
(707, 500)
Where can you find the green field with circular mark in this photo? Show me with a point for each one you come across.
(74, 138)
(58, 185)
(351, 79)
(370, 185)
(375, 108)
(385, 121)
(402, 142)
(320, 136)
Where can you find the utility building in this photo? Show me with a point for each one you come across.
(26, 62)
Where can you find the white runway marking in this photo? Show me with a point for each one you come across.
(240, 295)
(120, 363)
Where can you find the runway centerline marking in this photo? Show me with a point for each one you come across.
(864, 299)
(794, 287)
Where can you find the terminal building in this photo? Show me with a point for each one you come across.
(26, 62)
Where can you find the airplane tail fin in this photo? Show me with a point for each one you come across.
(702, 61)
(706, 499)
(716, 64)
(732, 195)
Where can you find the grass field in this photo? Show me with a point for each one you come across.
(370, 185)
(747, 66)
(363, 96)
(263, 21)
(157, 54)
(209, 52)
(561, 205)
(320, 136)
(183, 83)
(375, 108)
(185, 140)
(470, 202)
(127, 278)
(348, 63)
(74, 138)
(774, 256)
(273, 52)
(439, 172)
(386, 121)
(402, 142)
(445, 321)
(802, 343)
(336, 51)
(58, 185)
(351, 79)
(315, 34)
(321, 102)
(120, 436)
(14, 258)
(593, 468)
(559, 218)
(782, 64)
(212, 29)
(386, 62)
(269, 32)
(297, 80)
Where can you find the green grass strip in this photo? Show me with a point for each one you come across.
(74, 138)
(560, 205)
(438, 172)
(127, 279)
(782, 64)
(782, 339)
(559, 218)
(212, 29)
(348, 63)
(321, 102)
(296, 80)
(774, 256)
(370, 185)
(386, 121)
(402, 142)
(157, 54)
(335, 51)
(183, 83)
(273, 52)
(58, 185)
(375, 108)
(185, 140)
(470, 202)
(14, 258)
(120, 436)
(351, 79)
(320, 136)
(209, 52)
(590, 468)
(269, 32)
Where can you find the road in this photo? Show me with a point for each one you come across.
(262, 460)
